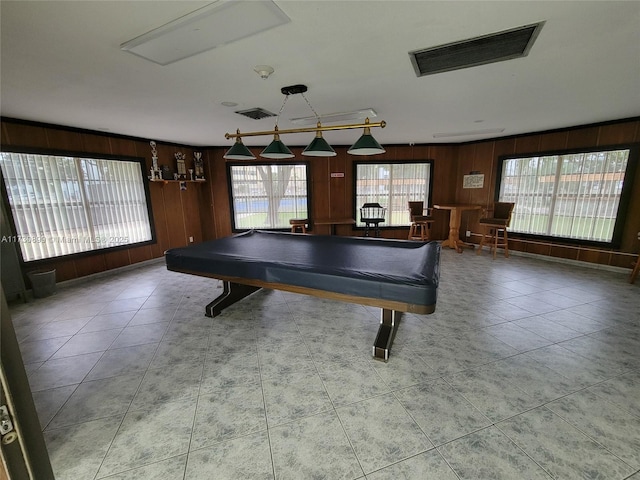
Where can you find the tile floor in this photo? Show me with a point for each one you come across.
(527, 369)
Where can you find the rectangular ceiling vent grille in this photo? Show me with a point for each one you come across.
(256, 113)
(494, 47)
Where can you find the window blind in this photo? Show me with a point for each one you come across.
(393, 185)
(63, 205)
(572, 196)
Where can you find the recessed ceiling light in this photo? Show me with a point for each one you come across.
(208, 27)
(229, 104)
(336, 117)
(471, 132)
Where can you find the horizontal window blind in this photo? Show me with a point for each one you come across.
(63, 205)
(266, 196)
(392, 185)
(573, 196)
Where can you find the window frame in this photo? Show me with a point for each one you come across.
(241, 163)
(82, 155)
(356, 207)
(623, 205)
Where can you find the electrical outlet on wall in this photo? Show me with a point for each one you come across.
(191, 239)
(468, 233)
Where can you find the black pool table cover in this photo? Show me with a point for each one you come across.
(395, 270)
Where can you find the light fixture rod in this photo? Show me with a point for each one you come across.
(321, 128)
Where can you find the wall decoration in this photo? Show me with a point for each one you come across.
(473, 181)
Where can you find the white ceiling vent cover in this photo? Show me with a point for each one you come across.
(208, 27)
(495, 47)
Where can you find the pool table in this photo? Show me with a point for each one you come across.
(395, 275)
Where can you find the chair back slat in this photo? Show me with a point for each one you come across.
(416, 209)
(372, 211)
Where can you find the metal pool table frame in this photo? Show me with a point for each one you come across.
(284, 261)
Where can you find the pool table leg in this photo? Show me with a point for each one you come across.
(231, 293)
(386, 333)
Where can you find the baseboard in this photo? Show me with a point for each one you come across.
(578, 263)
(107, 273)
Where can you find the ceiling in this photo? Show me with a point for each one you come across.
(61, 63)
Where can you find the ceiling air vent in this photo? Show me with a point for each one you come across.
(256, 113)
(495, 47)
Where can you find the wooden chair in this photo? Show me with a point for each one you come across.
(372, 214)
(495, 223)
(298, 224)
(421, 220)
(636, 267)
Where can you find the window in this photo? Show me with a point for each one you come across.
(63, 205)
(568, 195)
(267, 195)
(393, 185)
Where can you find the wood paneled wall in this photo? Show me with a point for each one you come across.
(177, 214)
(332, 197)
(203, 210)
(483, 157)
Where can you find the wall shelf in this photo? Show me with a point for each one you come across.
(164, 182)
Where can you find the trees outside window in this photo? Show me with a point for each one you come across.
(265, 196)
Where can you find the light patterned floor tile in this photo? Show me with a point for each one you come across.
(313, 447)
(382, 432)
(245, 457)
(261, 383)
(441, 411)
(561, 449)
(488, 454)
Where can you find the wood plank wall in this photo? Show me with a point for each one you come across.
(203, 210)
(332, 197)
(483, 157)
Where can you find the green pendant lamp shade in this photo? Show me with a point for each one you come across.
(276, 149)
(239, 151)
(319, 147)
(366, 144)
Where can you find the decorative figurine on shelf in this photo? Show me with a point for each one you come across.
(191, 174)
(180, 165)
(198, 165)
(155, 170)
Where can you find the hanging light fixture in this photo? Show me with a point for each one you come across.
(366, 145)
(319, 146)
(276, 149)
(239, 151)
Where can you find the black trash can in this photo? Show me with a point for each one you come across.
(43, 282)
